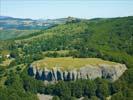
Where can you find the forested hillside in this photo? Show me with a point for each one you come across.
(93, 38)
(110, 39)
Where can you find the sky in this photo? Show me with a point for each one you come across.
(50, 9)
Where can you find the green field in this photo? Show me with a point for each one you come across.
(69, 62)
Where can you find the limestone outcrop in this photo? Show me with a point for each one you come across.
(110, 72)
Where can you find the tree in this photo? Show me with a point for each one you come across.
(55, 98)
(1, 60)
(76, 88)
(14, 53)
(89, 88)
(94, 98)
(13, 63)
(116, 87)
(73, 98)
(85, 98)
(50, 90)
(102, 90)
(2, 71)
(61, 89)
(3, 93)
(118, 96)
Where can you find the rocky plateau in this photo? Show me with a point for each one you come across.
(110, 72)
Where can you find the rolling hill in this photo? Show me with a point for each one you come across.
(104, 40)
(90, 38)
(17, 27)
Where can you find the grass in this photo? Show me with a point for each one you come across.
(5, 52)
(58, 52)
(69, 62)
(6, 62)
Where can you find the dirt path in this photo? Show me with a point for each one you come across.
(44, 97)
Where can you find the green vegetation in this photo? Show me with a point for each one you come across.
(107, 39)
(60, 53)
(14, 90)
(69, 62)
(9, 34)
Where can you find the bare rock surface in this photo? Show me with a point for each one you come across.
(110, 72)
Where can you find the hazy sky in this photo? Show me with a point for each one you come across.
(64, 8)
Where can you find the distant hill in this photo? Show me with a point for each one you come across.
(29, 24)
(16, 27)
(5, 17)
